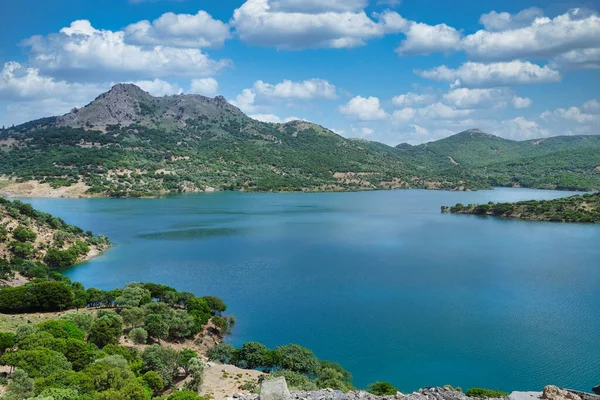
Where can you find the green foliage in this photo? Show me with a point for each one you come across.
(223, 353)
(382, 389)
(138, 335)
(56, 258)
(39, 362)
(36, 296)
(584, 208)
(22, 250)
(82, 320)
(133, 296)
(478, 392)
(184, 395)
(299, 359)
(157, 328)
(253, 354)
(7, 340)
(154, 381)
(163, 361)
(296, 381)
(215, 304)
(22, 234)
(21, 385)
(62, 329)
(106, 329)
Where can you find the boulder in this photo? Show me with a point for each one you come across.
(555, 393)
(275, 389)
(525, 395)
(596, 389)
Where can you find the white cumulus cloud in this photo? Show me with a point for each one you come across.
(485, 98)
(364, 109)
(98, 53)
(205, 86)
(179, 30)
(292, 25)
(411, 99)
(472, 74)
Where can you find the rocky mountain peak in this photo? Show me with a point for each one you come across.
(127, 104)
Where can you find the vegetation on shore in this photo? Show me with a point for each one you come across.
(581, 208)
(33, 242)
(300, 367)
(80, 355)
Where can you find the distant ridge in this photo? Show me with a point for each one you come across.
(128, 143)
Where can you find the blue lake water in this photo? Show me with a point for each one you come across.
(381, 282)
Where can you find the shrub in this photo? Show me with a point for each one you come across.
(23, 234)
(479, 392)
(222, 353)
(138, 335)
(62, 329)
(154, 381)
(184, 395)
(382, 389)
(56, 258)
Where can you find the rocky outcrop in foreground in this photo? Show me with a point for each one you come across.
(277, 389)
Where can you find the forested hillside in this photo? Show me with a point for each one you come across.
(32, 242)
(584, 208)
(129, 143)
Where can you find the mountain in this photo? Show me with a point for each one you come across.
(129, 143)
(563, 162)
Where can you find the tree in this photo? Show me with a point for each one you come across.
(217, 306)
(162, 360)
(23, 234)
(56, 258)
(133, 296)
(102, 333)
(382, 389)
(156, 327)
(138, 335)
(22, 250)
(253, 354)
(223, 352)
(133, 316)
(7, 340)
(37, 363)
(185, 356)
(196, 372)
(21, 385)
(154, 381)
(82, 320)
(62, 329)
(79, 353)
(49, 296)
(299, 359)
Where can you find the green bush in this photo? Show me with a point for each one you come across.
(479, 392)
(62, 329)
(56, 258)
(138, 335)
(23, 234)
(382, 389)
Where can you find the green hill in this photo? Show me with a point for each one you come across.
(584, 208)
(129, 143)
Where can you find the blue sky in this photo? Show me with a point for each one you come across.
(386, 70)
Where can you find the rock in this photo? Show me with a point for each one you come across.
(525, 395)
(555, 393)
(275, 389)
(596, 389)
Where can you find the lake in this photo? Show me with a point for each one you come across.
(380, 282)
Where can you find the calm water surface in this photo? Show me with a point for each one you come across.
(379, 281)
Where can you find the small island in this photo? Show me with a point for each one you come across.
(581, 208)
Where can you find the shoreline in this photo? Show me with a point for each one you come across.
(36, 190)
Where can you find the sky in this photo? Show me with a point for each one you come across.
(394, 71)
